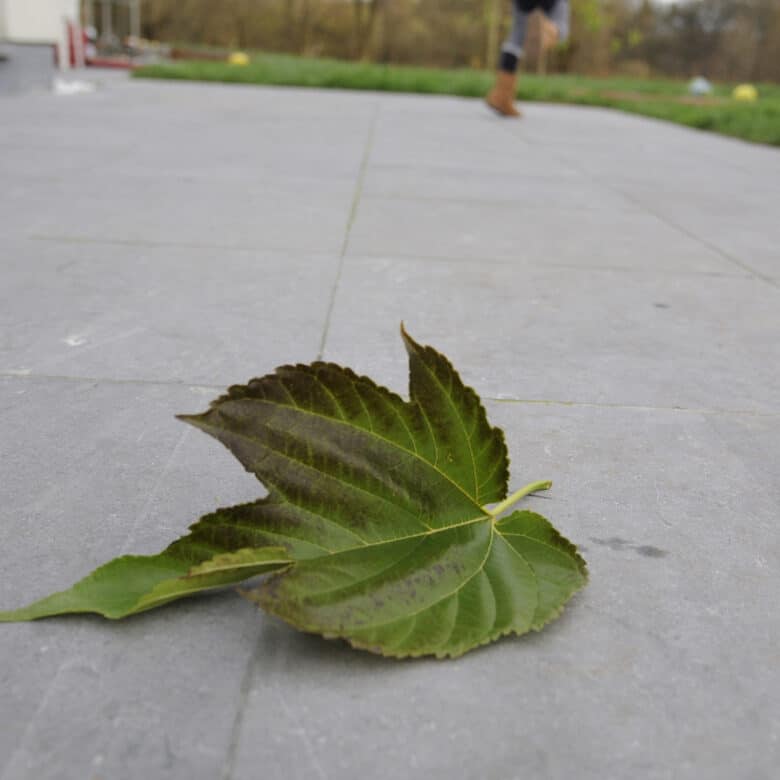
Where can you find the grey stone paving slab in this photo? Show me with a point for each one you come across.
(284, 147)
(239, 171)
(698, 197)
(617, 144)
(583, 335)
(646, 675)
(432, 143)
(156, 238)
(469, 184)
(529, 232)
(93, 470)
(171, 210)
(719, 190)
(132, 311)
(752, 239)
(284, 150)
(25, 67)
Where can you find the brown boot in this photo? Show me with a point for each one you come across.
(502, 97)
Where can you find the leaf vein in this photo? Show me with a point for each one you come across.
(392, 443)
(446, 595)
(451, 402)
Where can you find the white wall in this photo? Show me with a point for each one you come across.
(35, 21)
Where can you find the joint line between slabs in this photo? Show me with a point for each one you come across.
(244, 248)
(350, 222)
(660, 217)
(508, 263)
(492, 399)
(631, 407)
(714, 248)
(727, 256)
(238, 720)
(108, 380)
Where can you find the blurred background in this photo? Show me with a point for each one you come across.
(730, 40)
(710, 64)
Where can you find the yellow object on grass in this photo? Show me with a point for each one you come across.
(747, 93)
(238, 58)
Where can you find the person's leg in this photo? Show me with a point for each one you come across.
(560, 16)
(512, 48)
(502, 97)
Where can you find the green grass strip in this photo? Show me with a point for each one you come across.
(658, 98)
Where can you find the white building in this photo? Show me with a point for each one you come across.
(36, 21)
(29, 32)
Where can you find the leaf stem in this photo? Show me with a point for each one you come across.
(517, 495)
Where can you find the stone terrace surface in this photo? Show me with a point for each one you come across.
(610, 285)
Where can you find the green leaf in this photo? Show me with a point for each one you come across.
(136, 583)
(377, 525)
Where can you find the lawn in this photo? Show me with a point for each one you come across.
(659, 98)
